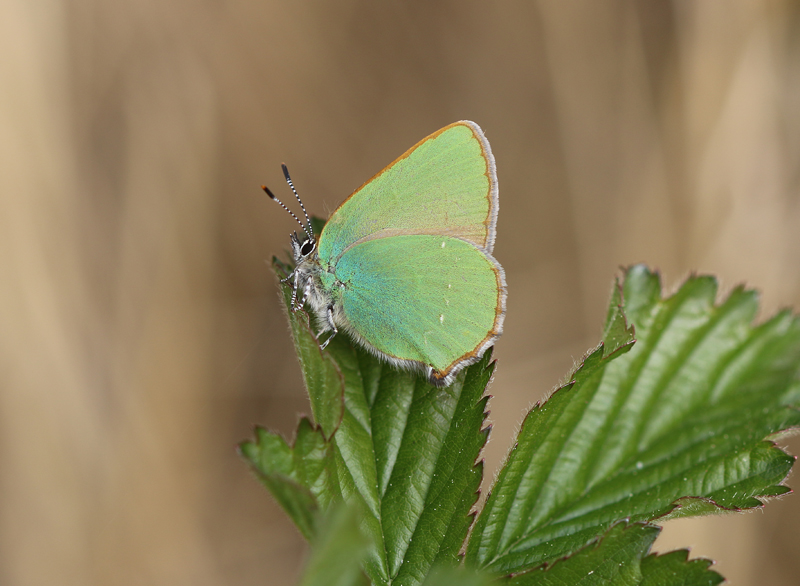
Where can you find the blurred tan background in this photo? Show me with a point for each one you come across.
(141, 335)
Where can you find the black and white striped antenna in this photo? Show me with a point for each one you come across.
(300, 201)
(306, 227)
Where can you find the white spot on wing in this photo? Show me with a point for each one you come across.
(441, 319)
(442, 243)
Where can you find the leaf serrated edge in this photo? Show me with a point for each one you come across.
(594, 543)
(683, 556)
(718, 509)
(597, 358)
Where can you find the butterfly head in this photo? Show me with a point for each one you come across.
(302, 250)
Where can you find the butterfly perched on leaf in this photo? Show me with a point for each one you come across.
(404, 265)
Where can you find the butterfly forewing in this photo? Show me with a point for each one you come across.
(444, 185)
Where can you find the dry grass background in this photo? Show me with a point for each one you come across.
(140, 331)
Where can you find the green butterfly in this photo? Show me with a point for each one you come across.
(404, 265)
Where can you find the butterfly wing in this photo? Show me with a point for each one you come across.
(444, 185)
(423, 299)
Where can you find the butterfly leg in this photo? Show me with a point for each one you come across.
(331, 325)
(288, 277)
(306, 293)
(295, 286)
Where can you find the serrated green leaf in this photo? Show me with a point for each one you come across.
(337, 552)
(673, 569)
(435, 478)
(615, 558)
(300, 478)
(411, 463)
(683, 414)
(620, 558)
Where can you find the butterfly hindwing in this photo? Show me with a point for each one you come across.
(429, 299)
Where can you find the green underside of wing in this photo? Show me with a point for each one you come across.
(432, 299)
(441, 186)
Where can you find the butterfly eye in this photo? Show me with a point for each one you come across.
(307, 248)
